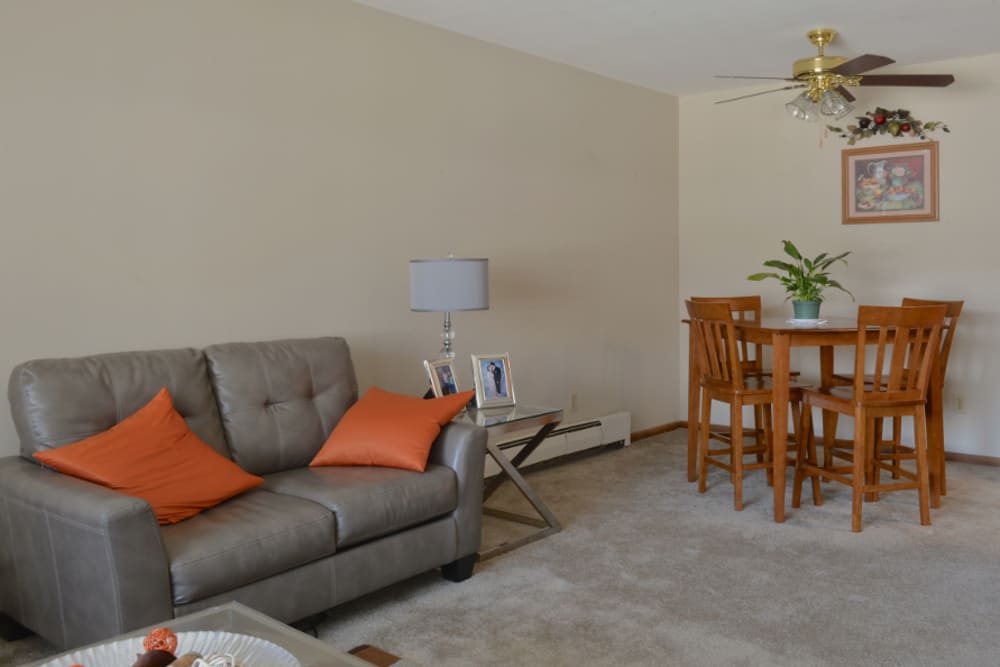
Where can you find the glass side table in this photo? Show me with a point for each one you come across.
(498, 422)
(235, 617)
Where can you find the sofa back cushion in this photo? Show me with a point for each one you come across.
(279, 400)
(58, 401)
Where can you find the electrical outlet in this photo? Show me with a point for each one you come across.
(572, 402)
(959, 403)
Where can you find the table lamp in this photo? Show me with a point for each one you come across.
(446, 286)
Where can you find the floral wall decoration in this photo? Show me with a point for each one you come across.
(896, 123)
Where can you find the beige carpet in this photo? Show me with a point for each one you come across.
(649, 572)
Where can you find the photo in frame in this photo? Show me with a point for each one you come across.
(890, 183)
(494, 387)
(442, 376)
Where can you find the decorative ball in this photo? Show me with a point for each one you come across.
(879, 119)
(905, 127)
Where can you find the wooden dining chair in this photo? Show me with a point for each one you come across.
(751, 355)
(908, 340)
(896, 450)
(722, 378)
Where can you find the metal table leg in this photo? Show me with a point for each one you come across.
(548, 525)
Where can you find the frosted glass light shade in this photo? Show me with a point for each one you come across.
(803, 108)
(832, 103)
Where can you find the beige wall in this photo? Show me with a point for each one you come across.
(186, 172)
(752, 176)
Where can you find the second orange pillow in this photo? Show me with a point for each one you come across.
(389, 430)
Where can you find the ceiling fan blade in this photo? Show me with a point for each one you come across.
(862, 64)
(736, 76)
(907, 80)
(845, 93)
(763, 92)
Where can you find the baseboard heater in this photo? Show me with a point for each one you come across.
(571, 436)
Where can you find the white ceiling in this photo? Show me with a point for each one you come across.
(678, 46)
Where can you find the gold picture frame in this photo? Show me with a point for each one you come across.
(890, 183)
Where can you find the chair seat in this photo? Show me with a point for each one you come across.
(765, 372)
(756, 384)
(848, 379)
(845, 396)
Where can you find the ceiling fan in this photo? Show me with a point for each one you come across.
(825, 79)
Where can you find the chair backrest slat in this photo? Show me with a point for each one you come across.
(906, 347)
(742, 309)
(716, 343)
(953, 309)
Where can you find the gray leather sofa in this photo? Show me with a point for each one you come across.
(79, 562)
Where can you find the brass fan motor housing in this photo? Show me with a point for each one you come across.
(807, 67)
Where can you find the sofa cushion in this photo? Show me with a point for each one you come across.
(280, 400)
(391, 430)
(245, 539)
(153, 455)
(371, 502)
(58, 401)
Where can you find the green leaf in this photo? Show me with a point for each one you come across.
(833, 129)
(834, 283)
(791, 250)
(839, 258)
(761, 276)
(778, 264)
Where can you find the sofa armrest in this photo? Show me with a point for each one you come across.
(78, 562)
(462, 447)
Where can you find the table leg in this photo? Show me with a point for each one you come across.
(694, 396)
(780, 374)
(549, 526)
(829, 417)
(935, 438)
(493, 484)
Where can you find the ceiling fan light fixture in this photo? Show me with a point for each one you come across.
(832, 103)
(804, 108)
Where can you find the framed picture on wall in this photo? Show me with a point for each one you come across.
(890, 183)
(441, 373)
(491, 373)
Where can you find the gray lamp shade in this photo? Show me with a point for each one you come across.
(448, 285)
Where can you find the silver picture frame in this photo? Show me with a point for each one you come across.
(494, 386)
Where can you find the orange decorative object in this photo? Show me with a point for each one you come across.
(160, 639)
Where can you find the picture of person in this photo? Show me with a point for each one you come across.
(494, 382)
(442, 378)
(447, 380)
(493, 378)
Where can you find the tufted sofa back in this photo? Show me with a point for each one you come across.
(280, 400)
(58, 401)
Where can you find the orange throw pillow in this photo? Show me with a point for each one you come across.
(153, 455)
(389, 430)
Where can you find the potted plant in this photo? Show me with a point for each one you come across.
(804, 279)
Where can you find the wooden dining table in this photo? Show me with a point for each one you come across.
(781, 335)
